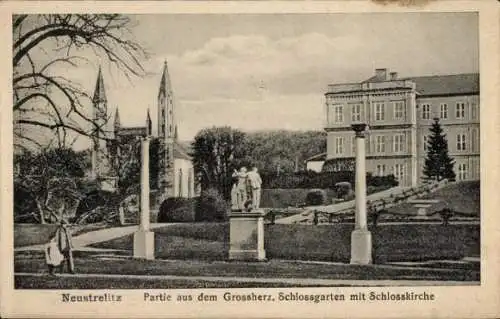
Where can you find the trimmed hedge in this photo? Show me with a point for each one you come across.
(322, 180)
(210, 206)
(316, 197)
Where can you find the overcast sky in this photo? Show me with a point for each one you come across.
(270, 71)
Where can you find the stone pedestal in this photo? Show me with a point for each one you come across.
(246, 236)
(144, 244)
(361, 247)
(361, 239)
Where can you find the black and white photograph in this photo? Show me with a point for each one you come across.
(166, 152)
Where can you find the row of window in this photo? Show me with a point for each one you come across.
(460, 111)
(398, 170)
(460, 139)
(379, 111)
(400, 111)
(398, 144)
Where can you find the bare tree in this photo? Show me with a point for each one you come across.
(43, 45)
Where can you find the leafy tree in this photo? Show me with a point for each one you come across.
(283, 151)
(217, 151)
(49, 181)
(438, 164)
(45, 48)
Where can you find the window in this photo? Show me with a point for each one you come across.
(474, 140)
(425, 141)
(338, 113)
(180, 183)
(399, 171)
(379, 111)
(380, 144)
(426, 111)
(399, 110)
(443, 114)
(474, 114)
(461, 144)
(339, 145)
(399, 143)
(462, 171)
(356, 113)
(460, 110)
(381, 170)
(163, 129)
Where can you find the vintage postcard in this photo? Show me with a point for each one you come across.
(250, 159)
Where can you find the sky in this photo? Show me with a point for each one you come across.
(270, 71)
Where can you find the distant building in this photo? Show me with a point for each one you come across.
(315, 163)
(399, 113)
(176, 173)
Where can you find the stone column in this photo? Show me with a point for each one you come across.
(361, 241)
(143, 237)
(246, 236)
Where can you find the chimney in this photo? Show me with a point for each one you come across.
(394, 76)
(381, 74)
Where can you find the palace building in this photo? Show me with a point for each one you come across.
(175, 168)
(399, 113)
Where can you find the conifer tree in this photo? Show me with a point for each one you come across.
(438, 164)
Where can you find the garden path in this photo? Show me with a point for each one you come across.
(96, 236)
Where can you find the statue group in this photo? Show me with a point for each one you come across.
(245, 194)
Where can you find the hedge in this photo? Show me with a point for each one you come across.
(210, 206)
(322, 180)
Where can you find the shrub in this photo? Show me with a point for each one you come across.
(211, 206)
(316, 197)
(176, 209)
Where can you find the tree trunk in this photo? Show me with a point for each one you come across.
(40, 211)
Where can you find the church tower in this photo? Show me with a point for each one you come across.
(166, 127)
(100, 158)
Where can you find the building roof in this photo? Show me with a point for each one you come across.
(180, 152)
(317, 158)
(439, 85)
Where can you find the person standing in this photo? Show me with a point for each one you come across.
(64, 243)
(256, 183)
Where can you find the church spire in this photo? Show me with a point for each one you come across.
(99, 93)
(117, 118)
(149, 124)
(163, 81)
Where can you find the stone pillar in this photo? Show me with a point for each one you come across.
(143, 237)
(361, 240)
(246, 236)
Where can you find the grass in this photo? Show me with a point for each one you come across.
(32, 282)
(271, 269)
(391, 243)
(462, 197)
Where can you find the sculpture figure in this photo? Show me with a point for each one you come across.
(241, 188)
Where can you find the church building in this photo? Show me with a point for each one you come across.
(175, 177)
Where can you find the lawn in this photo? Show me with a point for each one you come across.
(32, 282)
(462, 197)
(391, 243)
(270, 269)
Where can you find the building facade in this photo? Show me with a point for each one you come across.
(399, 113)
(175, 167)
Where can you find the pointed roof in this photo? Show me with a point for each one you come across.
(176, 133)
(165, 79)
(149, 124)
(117, 117)
(99, 93)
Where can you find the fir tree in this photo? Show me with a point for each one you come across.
(438, 164)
